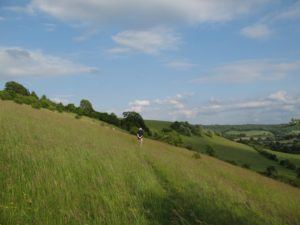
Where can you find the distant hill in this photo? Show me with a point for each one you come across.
(56, 169)
(233, 152)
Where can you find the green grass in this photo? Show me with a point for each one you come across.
(157, 125)
(251, 133)
(228, 150)
(56, 169)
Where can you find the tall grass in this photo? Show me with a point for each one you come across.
(56, 169)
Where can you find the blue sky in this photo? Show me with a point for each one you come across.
(208, 62)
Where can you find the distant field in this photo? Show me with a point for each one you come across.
(59, 170)
(252, 133)
(157, 125)
(232, 151)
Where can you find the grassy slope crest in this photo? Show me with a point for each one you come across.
(56, 169)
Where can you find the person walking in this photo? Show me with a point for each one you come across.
(140, 135)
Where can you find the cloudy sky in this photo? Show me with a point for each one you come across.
(208, 62)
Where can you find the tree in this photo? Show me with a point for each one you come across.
(16, 88)
(71, 108)
(133, 119)
(86, 107)
(34, 95)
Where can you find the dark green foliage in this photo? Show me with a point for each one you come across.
(209, 150)
(245, 165)
(108, 118)
(133, 130)
(186, 129)
(133, 119)
(60, 107)
(168, 136)
(5, 95)
(36, 105)
(209, 133)
(34, 95)
(288, 164)
(16, 88)
(268, 155)
(189, 147)
(77, 116)
(71, 108)
(231, 162)
(86, 107)
(298, 172)
(271, 171)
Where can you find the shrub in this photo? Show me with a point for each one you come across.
(197, 155)
(189, 147)
(77, 116)
(288, 164)
(209, 150)
(298, 172)
(231, 162)
(271, 171)
(245, 165)
(36, 105)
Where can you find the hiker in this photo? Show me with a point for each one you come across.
(140, 135)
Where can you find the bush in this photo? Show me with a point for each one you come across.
(5, 95)
(36, 105)
(298, 172)
(271, 171)
(133, 130)
(288, 164)
(189, 147)
(209, 150)
(231, 162)
(245, 165)
(77, 116)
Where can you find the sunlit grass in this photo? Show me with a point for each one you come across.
(56, 169)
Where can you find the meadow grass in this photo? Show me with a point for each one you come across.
(228, 150)
(56, 169)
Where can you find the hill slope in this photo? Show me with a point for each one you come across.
(227, 150)
(56, 169)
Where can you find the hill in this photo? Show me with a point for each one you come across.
(56, 169)
(235, 153)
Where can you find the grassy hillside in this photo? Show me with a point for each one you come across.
(56, 169)
(227, 150)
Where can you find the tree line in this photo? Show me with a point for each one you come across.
(16, 92)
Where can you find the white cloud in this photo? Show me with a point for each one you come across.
(170, 108)
(118, 50)
(279, 96)
(60, 100)
(139, 105)
(180, 64)
(276, 107)
(18, 63)
(257, 31)
(250, 71)
(153, 12)
(150, 41)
